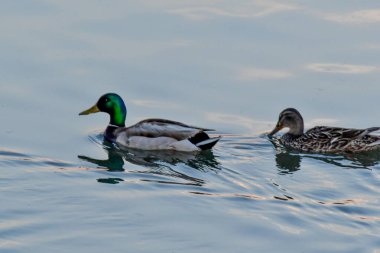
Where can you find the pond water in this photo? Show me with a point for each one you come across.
(228, 65)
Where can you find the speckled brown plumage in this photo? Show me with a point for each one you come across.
(324, 139)
(333, 140)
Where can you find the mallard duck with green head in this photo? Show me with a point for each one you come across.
(149, 134)
(324, 139)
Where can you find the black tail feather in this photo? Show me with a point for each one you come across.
(199, 137)
(203, 141)
(208, 144)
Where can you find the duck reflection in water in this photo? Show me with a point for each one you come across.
(289, 161)
(158, 162)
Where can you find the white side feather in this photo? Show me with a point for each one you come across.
(157, 143)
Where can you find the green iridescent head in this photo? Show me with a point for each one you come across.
(112, 104)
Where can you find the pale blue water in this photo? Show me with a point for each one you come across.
(228, 65)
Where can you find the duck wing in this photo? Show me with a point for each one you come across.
(162, 128)
(331, 133)
(336, 138)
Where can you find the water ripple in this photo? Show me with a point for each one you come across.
(245, 178)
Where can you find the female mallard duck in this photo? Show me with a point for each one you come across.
(322, 138)
(149, 134)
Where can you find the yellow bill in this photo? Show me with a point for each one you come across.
(93, 109)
